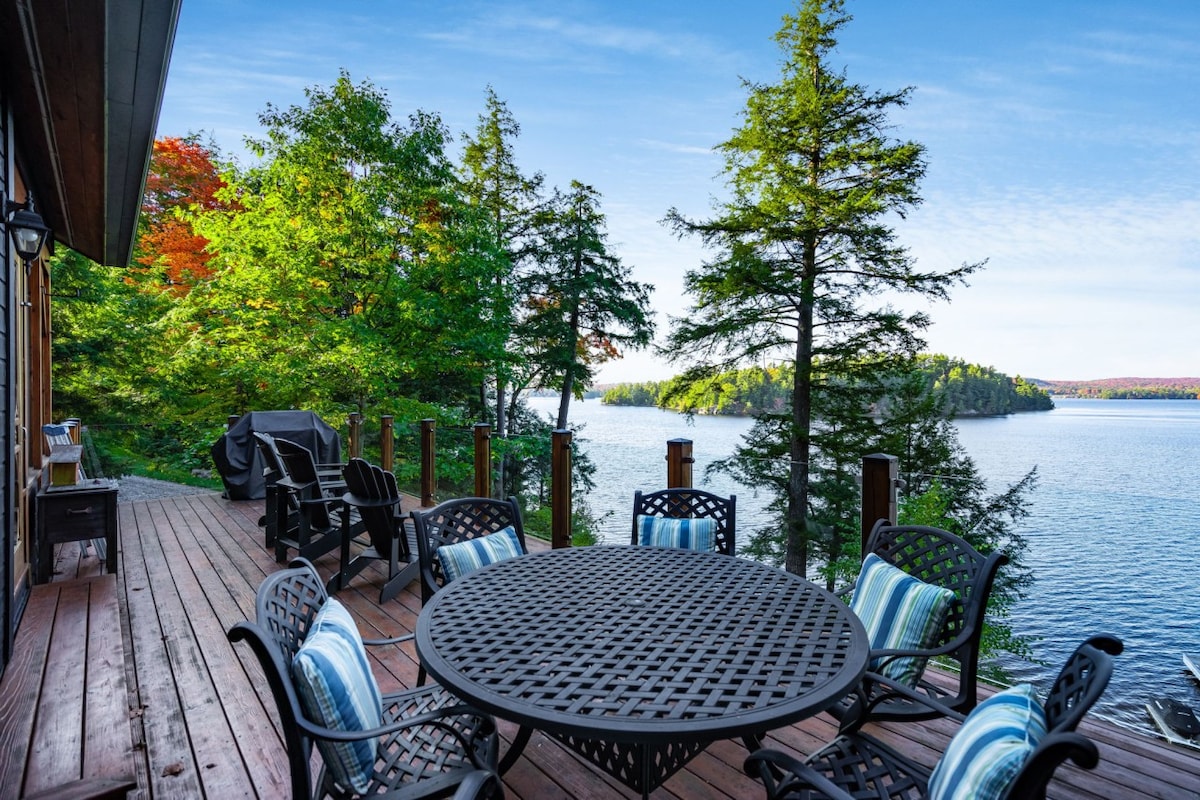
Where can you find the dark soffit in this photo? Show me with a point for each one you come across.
(85, 80)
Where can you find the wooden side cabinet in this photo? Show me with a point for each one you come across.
(87, 510)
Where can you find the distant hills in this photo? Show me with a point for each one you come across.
(1124, 388)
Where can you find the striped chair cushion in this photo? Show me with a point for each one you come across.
(462, 557)
(900, 612)
(987, 752)
(338, 690)
(690, 534)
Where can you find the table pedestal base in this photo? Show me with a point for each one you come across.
(641, 767)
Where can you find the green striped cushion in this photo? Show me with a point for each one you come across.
(338, 690)
(462, 557)
(989, 749)
(900, 612)
(690, 534)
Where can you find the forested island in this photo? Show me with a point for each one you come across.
(962, 389)
(1126, 388)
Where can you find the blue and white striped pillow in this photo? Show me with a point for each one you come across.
(900, 612)
(338, 690)
(989, 749)
(462, 557)
(690, 534)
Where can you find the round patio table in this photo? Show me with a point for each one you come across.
(639, 657)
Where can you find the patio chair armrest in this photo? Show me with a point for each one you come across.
(892, 688)
(404, 637)
(435, 719)
(845, 592)
(887, 655)
(292, 485)
(784, 775)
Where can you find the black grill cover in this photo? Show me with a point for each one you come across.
(236, 452)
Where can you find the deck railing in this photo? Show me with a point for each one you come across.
(880, 472)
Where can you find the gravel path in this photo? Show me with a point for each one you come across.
(134, 488)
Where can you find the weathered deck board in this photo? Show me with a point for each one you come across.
(65, 717)
(189, 568)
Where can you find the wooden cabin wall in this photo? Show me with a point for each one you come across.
(8, 481)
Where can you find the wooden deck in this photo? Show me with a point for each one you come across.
(201, 723)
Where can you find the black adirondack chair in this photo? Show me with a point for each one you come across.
(303, 501)
(373, 493)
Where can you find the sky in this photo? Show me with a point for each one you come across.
(1062, 139)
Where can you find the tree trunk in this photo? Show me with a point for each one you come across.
(796, 559)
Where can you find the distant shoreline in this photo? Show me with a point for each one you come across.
(1124, 388)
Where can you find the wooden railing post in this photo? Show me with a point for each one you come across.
(75, 428)
(387, 443)
(355, 423)
(679, 463)
(880, 478)
(428, 473)
(230, 421)
(560, 488)
(483, 459)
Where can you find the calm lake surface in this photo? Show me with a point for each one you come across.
(1113, 532)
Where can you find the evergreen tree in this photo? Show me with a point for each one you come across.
(802, 245)
(494, 183)
(583, 306)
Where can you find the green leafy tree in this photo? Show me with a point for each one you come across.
(582, 304)
(802, 245)
(494, 183)
(509, 201)
(347, 270)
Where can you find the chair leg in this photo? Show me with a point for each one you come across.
(515, 749)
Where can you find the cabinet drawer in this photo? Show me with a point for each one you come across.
(69, 519)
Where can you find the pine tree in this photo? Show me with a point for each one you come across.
(802, 245)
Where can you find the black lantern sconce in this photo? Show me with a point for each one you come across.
(26, 228)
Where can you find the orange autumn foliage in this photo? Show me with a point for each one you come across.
(181, 175)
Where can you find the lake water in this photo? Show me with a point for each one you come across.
(1112, 535)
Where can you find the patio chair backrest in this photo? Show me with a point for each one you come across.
(300, 465)
(57, 434)
(459, 520)
(372, 482)
(1080, 683)
(286, 603)
(682, 503)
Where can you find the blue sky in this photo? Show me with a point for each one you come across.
(1062, 137)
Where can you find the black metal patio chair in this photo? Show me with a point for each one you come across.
(373, 493)
(428, 744)
(1010, 742)
(687, 503)
(942, 559)
(456, 521)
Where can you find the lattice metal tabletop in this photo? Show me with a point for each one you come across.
(641, 647)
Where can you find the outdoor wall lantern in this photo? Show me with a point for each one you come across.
(26, 228)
